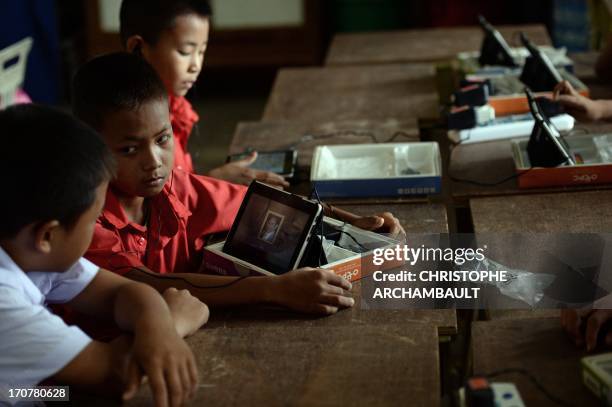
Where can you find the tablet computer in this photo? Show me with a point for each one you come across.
(546, 147)
(272, 228)
(281, 162)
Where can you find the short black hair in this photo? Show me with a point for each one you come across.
(148, 18)
(51, 167)
(111, 83)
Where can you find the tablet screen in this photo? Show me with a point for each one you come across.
(271, 228)
(273, 162)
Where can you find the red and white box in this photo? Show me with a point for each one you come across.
(343, 262)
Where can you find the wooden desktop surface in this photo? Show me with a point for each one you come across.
(575, 212)
(380, 92)
(423, 45)
(304, 365)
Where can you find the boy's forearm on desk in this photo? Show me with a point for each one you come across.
(340, 214)
(215, 291)
(135, 306)
(605, 108)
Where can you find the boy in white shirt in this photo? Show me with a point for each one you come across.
(55, 172)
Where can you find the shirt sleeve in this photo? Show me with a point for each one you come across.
(213, 203)
(71, 283)
(35, 343)
(107, 252)
(62, 287)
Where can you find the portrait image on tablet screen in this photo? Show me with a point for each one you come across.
(270, 227)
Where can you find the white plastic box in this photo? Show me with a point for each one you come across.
(507, 127)
(377, 170)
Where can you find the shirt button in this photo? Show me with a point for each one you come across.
(141, 241)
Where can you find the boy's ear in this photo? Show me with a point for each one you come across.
(44, 235)
(134, 44)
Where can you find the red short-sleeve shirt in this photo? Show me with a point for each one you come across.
(182, 118)
(189, 208)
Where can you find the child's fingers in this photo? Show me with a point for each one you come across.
(594, 324)
(392, 224)
(176, 390)
(158, 386)
(133, 380)
(334, 279)
(245, 162)
(188, 384)
(271, 178)
(573, 325)
(571, 322)
(335, 290)
(193, 372)
(338, 301)
(370, 222)
(561, 88)
(571, 102)
(324, 309)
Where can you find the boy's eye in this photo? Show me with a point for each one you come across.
(184, 53)
(127, 150)
(163, 139)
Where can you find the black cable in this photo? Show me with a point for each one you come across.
(475, 182)
(361, 246)
(184, 280)
(321, 248)
(396, 135)
(315, 194)
(578, 130)
(356, 133)
(533, 380)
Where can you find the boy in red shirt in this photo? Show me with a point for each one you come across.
(172, 35)
(155, 219)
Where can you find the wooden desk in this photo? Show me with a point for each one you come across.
(280, 135)
(304, 366)
(538, 346)
(445, 321)
(577, 212)
(491, 162)
(354, 93)
(425, 45)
